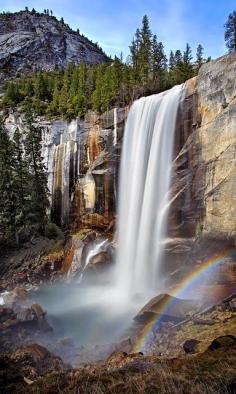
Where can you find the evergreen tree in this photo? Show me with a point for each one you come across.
(135, 53)
(230, 32)
(37, 172)
(12, 95)
(187, 67)
(187, 57)
(8, 196)
(41, 86)
(178, 59)
(20, 183)
(199, 57)
(97, 94)
(145, 51)
(159, 64)
(172, 61)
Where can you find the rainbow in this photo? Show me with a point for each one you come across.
(196, 277)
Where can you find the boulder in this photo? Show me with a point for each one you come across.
(225, 341)
(99, 261)
(16, 296)
(6, 314)
(190, 346)
(171, 308)
(35, 360)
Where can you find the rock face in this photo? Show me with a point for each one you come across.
(217, 106)
(82, 158)
(32, 41)
(205, 149)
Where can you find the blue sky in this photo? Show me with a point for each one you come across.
(112, 23)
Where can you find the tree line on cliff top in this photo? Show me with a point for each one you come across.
(72, 92)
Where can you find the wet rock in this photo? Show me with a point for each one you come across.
(225, 341)
(25, 314)
(23, 325)
(16, 296)
(38, 357)
(98, 262)
(38, 311)
(190, 346)
(6, 314)
(174, 309)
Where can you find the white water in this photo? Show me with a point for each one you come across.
(144, 195)
(96, 248)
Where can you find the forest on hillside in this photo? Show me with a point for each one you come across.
(72, 92)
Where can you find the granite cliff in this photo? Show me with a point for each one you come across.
(31, 41)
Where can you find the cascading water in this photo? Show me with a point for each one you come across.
(144, 191)
(96, 248)
(101, 313)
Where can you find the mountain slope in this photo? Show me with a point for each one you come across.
(30, 41)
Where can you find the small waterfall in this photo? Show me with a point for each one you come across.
(144, 191)
(97, 247)
(65, 161)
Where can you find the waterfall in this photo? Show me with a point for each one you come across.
(65, 161)
(144, 195)
(101, 311)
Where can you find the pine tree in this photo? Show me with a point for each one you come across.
(8, 197)
(54, 105)
(97, 94)
(21, 183)
(82, 100)
(144, 55)
(172, 61)
(13, 94)
(37, 171)
(230, 32)
(187, 57)
(178, 58)
(41, 86)
(159, 64)
(199, 57)
(187, 67)
(134, 53)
